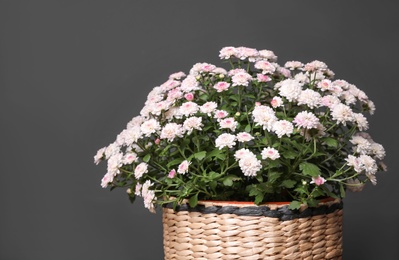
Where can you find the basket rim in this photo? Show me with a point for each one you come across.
(280, 211)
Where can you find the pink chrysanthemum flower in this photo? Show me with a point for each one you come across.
(306, 120)
(270, 153)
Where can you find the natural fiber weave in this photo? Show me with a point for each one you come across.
(193, 234)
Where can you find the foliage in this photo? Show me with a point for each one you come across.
(258, 132)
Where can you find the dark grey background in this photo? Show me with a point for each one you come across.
(73, 73)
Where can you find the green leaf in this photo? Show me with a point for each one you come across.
(294, 205)
(200, 155)
(288, 183)
(309, 169)
(213, 185)
(147, 158)
(236, 98)
(204, 97)
(217, 154)
(273, 176)
(174, 162)
(289, 154)
(331, 142)
(247, 128)
(342, 190)
(228, 181)
(259, 198)
(193, 201)
(254, 191)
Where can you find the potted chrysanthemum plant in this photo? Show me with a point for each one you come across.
(258, 132)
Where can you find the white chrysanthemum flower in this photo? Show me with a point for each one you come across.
(173, 112)
(290, 89)
(315, 65)
(114, 163)
(146, 187)
(348, 98)
(221, 86)
(354, 162)
(149, 127)
(241, 79)
(189, 108)
(99, 155)
(354, 185)
(228, 123)
(145, 111)
(336, 90)
(239, 154)
(342, 114)
(132, 135)
(267, 54)
(244, 137)
(247, 53)
(372, 178)
(361, 121)
(112, 149)
(329, 101)
(361, 145)
(264, 116)
(227, 52)
(293, 65)
(137, 190)
(151, 99)
(192, 123)
(148, 196)
(270, 153)
(221, 72)
(283, 127)
(250, 165)
(302, 78)
(136, 121)
(263, 78)
(183, 167)
(324, 85)
(368, 164)
(177, 75)
(310, 98)
(174, 95)
(169, 84)
(208, 107)
(371, 107)
(157, 91)
(108, 178)
(283, 71)
(189, 84)
(276, 102)
(377, 150)
(130, 157)
(225, 140)
(140, 170)
(220, 114)
(265, 66)
(201, 67)
(170, 131)
(233, 72)
(306, 120)
(341, 83)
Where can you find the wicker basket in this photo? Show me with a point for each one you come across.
(215, 230)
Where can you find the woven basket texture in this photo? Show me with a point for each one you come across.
(195, 235)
